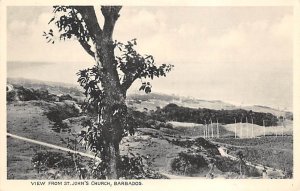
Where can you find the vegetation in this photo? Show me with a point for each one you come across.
(59, 112)
(188, 164)
(58, 165)
(21, 93)
(198, 143)
(203, 115)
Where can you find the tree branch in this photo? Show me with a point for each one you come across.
(111, 15)
(87, 48)
(127, 82)
(90, 18)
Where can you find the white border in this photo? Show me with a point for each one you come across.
(186, 184)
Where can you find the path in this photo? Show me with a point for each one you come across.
(52, 146)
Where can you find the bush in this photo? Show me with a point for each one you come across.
(133, 167)
(51, 160)
(199, 142)
(11, 96)
(227, 165)
(25, 94)
(188, 163)
(59, 112)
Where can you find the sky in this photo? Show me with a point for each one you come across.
(240, 55)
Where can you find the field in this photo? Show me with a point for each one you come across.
(163, 147)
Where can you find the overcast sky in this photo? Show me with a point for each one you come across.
(241, 55)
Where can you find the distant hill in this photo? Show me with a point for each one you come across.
(153, 100)
(142, 101)
(265, 109)
(53, 87)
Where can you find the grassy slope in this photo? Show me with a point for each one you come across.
(27, 119)
(272, 151)
(19, 156)
(160, 151)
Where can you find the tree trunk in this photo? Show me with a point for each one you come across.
(114, 108)
(113, 158)
(112, 118)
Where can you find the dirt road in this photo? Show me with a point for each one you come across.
(52, 146)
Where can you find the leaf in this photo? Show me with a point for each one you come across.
(148, 89)
(142, 88)
(51, 20)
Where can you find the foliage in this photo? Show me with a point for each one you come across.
(59, 112)
(203, 115)
(51, 160)
(11, 96)
(129, 167)
(20, 93)
(188, 163)
(132, 66)
(135, 66)
(227, 165)
(289, 115)
(199, 142)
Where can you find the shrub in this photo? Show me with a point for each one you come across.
(59, 112)
(227, 165)
(51, 160)
(25, 94)
(11, 96)
(188, 163)
(133, 167)
(199, 142)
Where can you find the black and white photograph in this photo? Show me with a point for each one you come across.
(130, 93)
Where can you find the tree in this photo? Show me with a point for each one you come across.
(107, 82)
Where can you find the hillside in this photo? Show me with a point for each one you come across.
(160, 147)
